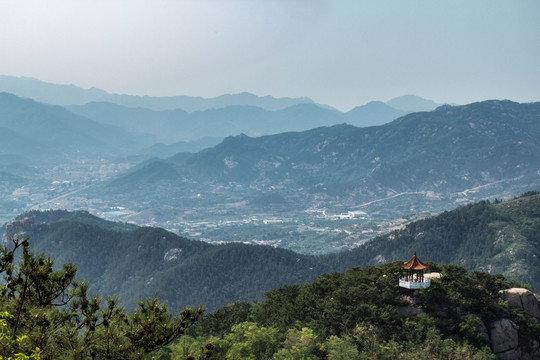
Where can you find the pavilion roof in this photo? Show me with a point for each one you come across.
(414, 264)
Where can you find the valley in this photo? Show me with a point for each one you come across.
(302, 229)
(58, 187)
(220, 213)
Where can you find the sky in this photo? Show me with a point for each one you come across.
(336, 52)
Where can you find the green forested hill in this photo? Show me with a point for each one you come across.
(501, 237)
(359, 315)
(138, 263)
(353, 315)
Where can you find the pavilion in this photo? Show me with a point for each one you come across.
(414, 279)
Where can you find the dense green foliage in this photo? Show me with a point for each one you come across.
(353, 315)
(350, 316)
(49, 315)
(8, 344)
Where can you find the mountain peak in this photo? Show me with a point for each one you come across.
(412, 103)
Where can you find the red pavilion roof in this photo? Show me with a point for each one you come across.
(414, 264)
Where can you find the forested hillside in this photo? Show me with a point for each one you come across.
(145, 262)
(135, 263)
(46, 314)
(498, 237)
(359, 315)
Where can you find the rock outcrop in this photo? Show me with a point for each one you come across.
(504, 332)
(18, 228)
(523, 299)
(505, 339)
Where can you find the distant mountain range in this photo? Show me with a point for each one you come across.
(452, 154)
(73, 95)
(422, 162)
(174, 125)
(91, 141)
(137, 263)
(412, 103)
(46, 133)
(65, 95)
(186, 119)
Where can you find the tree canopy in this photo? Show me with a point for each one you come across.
(49, 315)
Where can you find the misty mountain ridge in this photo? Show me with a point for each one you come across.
(47, 133)
(174, 125)
(183, 118)
(373, 113)
(167, 150)
(449, 149)
(65, 95)
(412, 103)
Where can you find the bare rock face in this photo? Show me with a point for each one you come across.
(504, 339)
(172, 254)
(18, 228)
(535, 347)
(524, 299)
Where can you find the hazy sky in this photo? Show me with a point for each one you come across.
(341, 53)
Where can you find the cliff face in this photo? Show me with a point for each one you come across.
(505, 334)
(20, 228)
(523, 299)
(509, 334)
(507, 330)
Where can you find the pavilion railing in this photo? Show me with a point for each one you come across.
(403, 282)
